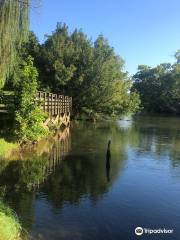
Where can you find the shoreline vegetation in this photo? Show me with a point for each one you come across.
(7, 147)
(14, 150)
(10, 227)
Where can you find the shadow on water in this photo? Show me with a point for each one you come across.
(108, 161)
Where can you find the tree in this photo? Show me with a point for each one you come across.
(89, 72)
(57, 59)
(108, 88)
(159, 87)
(14, 16)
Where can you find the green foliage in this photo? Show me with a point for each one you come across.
(6, 147)
(10, 228)
(14, 17)
(159, 87)
(89, 72)
(71, 64)
(28, 116)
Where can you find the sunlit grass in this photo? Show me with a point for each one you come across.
(10, 228)
(6, 147)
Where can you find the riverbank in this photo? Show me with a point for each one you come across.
(29, 166)
(10, 228)
(7, 147)
(17, 151)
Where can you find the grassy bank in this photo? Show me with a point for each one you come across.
(6, 147)
(10, 228)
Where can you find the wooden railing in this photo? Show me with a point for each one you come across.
(54, 104)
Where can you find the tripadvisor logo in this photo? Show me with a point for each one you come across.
(139, 231)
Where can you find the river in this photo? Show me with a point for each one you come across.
(70, 188)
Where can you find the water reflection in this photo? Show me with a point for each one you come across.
(27, 170)
(81, 175)
(41, 171)
(79, 179)
(31, 166)
(154, 135)
(108, 159)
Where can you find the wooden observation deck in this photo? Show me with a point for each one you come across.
(58, 107)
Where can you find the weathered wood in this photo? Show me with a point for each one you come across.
(58, 107)
(44, 105)
(54, 104)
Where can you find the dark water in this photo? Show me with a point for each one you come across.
(78, 190)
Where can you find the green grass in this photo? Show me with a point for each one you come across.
(10, 228)
(6, 147)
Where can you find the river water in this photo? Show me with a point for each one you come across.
(71, 188)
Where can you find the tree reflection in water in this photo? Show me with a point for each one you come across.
(42, 171)
(23, 176)
(69, 168)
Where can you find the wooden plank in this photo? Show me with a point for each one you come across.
(55, 105)
(44, 103)
(58, 105)
(48, 103)
(61, 104)
(51, 104)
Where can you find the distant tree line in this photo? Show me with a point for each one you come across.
(159, 87)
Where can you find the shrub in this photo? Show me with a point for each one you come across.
(28, 116)
(10, 228)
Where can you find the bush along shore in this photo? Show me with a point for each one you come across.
(10, 227)
(27, 117)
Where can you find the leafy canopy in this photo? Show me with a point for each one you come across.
(159, 87)
(91, 73)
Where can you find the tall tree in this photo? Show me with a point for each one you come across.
(14, 16)
(90, 72)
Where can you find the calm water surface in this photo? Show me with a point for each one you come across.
(70, 190)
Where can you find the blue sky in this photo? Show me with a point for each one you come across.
(141, 31)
